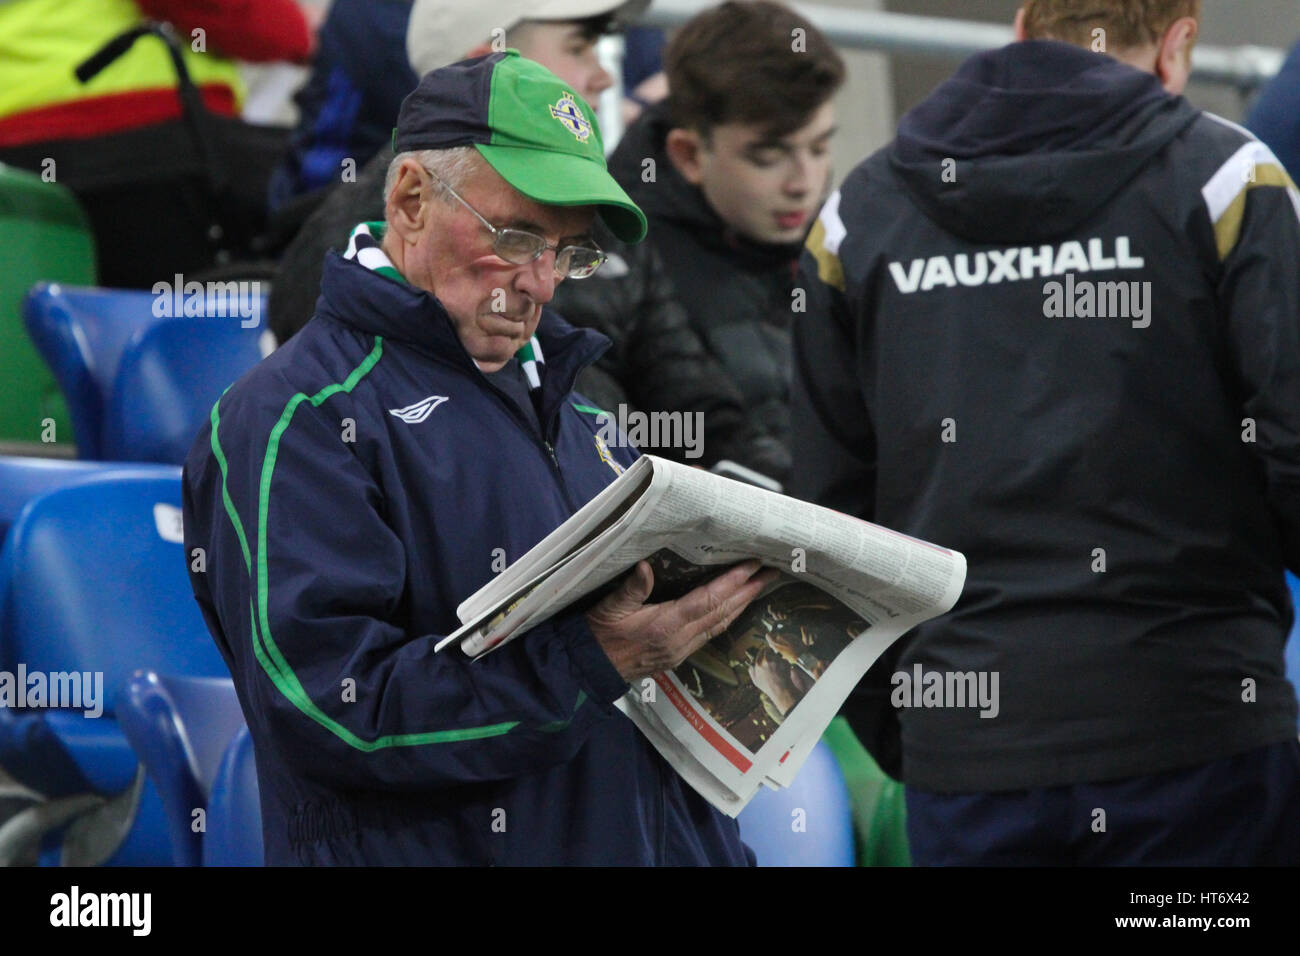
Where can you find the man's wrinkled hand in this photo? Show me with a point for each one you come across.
(642, 639)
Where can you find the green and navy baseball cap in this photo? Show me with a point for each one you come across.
(528, 124)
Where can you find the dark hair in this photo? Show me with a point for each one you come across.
(602, 24)
(752, 62)
(590, 28)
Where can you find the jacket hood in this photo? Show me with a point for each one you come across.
(671, 199)
(1042, 134)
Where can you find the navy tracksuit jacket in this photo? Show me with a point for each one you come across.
(340, 538)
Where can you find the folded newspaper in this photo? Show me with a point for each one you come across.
(747, 708)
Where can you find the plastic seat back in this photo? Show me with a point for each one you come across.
(94, 587)
(234, 836)
(96, 582)
(82, 334)
(809, 823)
(180, 728)
(169, 377)
(22, 479)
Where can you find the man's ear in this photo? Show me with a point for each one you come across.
(407, 207)
(483, 49)
(683, 147)
(1018, 27)
(1174, 57)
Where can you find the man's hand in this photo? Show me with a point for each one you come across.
(642, 639)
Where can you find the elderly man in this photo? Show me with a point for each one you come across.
(371, 474)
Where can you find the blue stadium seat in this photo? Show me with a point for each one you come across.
(180, 727)
(234, 836)
(84, 334)
(170, 376)
(820, 835)
(92, 580)
(22, 479)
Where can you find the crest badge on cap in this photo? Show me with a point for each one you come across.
(567, 112)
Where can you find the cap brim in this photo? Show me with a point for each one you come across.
(562, 179)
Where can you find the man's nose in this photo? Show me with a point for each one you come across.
(538, 279)
(598, 82)
(798, 181)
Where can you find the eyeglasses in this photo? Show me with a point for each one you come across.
(520, 247)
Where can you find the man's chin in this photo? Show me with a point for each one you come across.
(768, 234)
(781, 237)
(497, 350)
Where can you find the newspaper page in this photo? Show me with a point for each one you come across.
(517, 590)
(584, 565)
(745, 710)
(750, 704)
(589, 521)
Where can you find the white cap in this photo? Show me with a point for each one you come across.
(443, 31)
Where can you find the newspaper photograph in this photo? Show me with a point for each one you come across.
(748, 678)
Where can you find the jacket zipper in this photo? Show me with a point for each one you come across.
(559, 477)
(537, 439)
(528, 426)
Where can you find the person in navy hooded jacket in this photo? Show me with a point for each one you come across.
(1122, 473)
(362, 481)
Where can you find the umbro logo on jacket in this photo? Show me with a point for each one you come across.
(414, 414)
